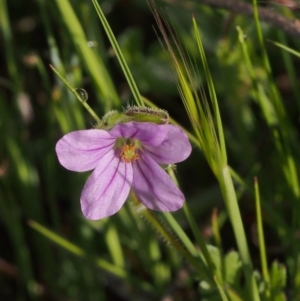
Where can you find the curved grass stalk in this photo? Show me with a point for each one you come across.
(261, 239)
(94, 64)
(74, 249)
(73, 90)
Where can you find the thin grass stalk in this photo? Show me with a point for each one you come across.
(101, 78)
(286, 48)
(281, 132)
(157, 263)
(11, 216)
(233, 295)
(290, 68)
(99, 262)
(204, 253)
(228, 192)
(223, 175)
(79, 97)
(210, 146)
(212, 93)
(68, 115)
(170, 239)
(8, 46)
(199, 239)
(215, 228)
(118, 52)
(221, 290)
(285, 127)
(114, 245)
(180, 233)
(275, 95)
(53, 47)
(226, 183)
(261, 241)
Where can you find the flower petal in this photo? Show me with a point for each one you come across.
(107, 188)
(174, 148)
(146, 132)
(82, 150)
(154, 187)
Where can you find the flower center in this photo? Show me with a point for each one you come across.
(128, 153)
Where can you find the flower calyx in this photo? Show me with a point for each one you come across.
(133, 113)
(147, 114)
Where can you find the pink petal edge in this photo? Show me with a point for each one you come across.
(82, 150)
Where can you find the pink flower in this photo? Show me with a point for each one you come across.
(127, 156)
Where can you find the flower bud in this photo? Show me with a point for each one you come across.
(146, 114)
(133, 113)
(112, 118)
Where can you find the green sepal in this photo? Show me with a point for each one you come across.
(146, 114)
(133, 113)
(112, 118)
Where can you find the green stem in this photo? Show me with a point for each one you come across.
(94, 64)
(261, 239)
(119, 54)
(99, 262)
(199, 239)
(73, 90)
(170, 239)
(239, 232)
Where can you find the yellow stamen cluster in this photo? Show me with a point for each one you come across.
(128, 153)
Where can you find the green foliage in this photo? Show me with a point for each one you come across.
(239, 105)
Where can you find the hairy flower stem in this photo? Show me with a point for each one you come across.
(169, 238)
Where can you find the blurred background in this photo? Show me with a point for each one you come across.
(36, 109)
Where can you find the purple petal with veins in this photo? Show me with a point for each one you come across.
(107, 188)
(82, 150)
(153, 186)
(115, 172)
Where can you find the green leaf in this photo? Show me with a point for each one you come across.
(232, 267)
(215, 255)
(278, 275)
(278, 281)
